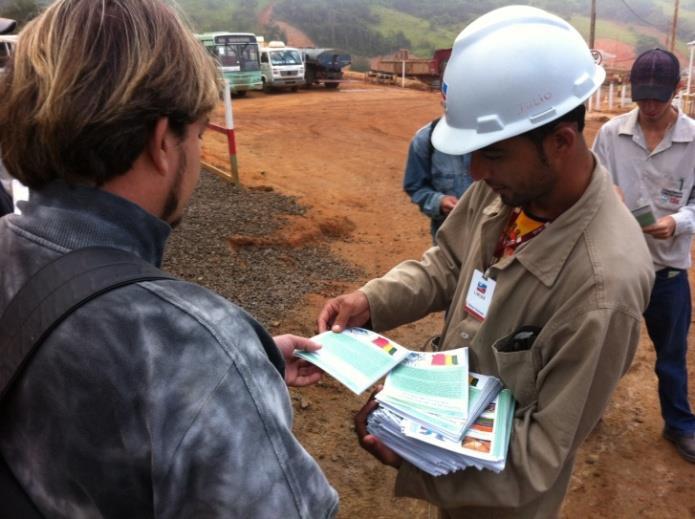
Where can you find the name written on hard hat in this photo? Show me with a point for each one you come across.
(538, 100)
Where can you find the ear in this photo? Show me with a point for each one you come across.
(159, 146)
(562, 141)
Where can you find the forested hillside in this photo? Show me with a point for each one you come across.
(376, 27)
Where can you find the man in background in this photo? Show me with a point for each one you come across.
(435, 180)
(159, 398)
(650, 153)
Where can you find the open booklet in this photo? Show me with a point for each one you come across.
(356, 357)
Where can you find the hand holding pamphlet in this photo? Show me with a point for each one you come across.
(356, 357)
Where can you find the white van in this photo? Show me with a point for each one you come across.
(7, 43)
(281, 66)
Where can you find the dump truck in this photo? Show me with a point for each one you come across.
(324, 66)
(428, 70)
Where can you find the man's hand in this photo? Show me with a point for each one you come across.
(662, 229)
(298, 372)
(369, 442)
(447, 203)
(344, 311)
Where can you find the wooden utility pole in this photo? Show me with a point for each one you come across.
(592, 26)
(672, 42)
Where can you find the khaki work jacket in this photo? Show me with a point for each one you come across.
(584, 281)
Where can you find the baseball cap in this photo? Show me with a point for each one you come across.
(654, 75)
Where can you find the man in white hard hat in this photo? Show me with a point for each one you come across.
(545, 232)
(650, 152)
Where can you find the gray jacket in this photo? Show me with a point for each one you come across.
(159, 399)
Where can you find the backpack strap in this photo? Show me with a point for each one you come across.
(57, 290)
(46, 299)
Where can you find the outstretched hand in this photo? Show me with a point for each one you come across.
(369, 442)
(344, 311)
(298, 372)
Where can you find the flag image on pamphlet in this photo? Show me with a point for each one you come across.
(356, 357)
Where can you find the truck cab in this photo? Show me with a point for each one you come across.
(324, 66)
(281, 66)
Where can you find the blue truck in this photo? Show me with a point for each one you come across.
(324, 66)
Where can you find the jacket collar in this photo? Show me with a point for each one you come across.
(73, 217)
(545, 255)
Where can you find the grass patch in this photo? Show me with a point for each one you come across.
(423, 37)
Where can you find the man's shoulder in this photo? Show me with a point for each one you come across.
(618, 251)
(614, 125)
(421, 139)
(686, 123)
(209, 309)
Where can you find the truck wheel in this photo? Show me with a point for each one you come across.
(266, 88)
(332, 86)
(240, 93)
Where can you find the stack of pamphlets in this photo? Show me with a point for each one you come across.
(484, 445)
(433, 411)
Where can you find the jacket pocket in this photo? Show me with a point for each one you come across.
(518, 364)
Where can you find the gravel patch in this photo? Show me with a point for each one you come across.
(267, 281)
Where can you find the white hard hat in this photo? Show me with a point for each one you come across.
(511, 70)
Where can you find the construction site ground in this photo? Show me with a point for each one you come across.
(341, 153)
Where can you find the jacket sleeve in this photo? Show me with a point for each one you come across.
(585, 357)
(413, 289)
(417, 181)
(221, 422)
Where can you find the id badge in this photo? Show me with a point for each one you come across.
(479, 295)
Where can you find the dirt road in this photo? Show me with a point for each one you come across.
(342, 154)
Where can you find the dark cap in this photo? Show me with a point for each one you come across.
(654, 75)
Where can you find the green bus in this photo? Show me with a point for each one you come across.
(237, 56)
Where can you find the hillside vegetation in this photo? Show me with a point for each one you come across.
(377, 27)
